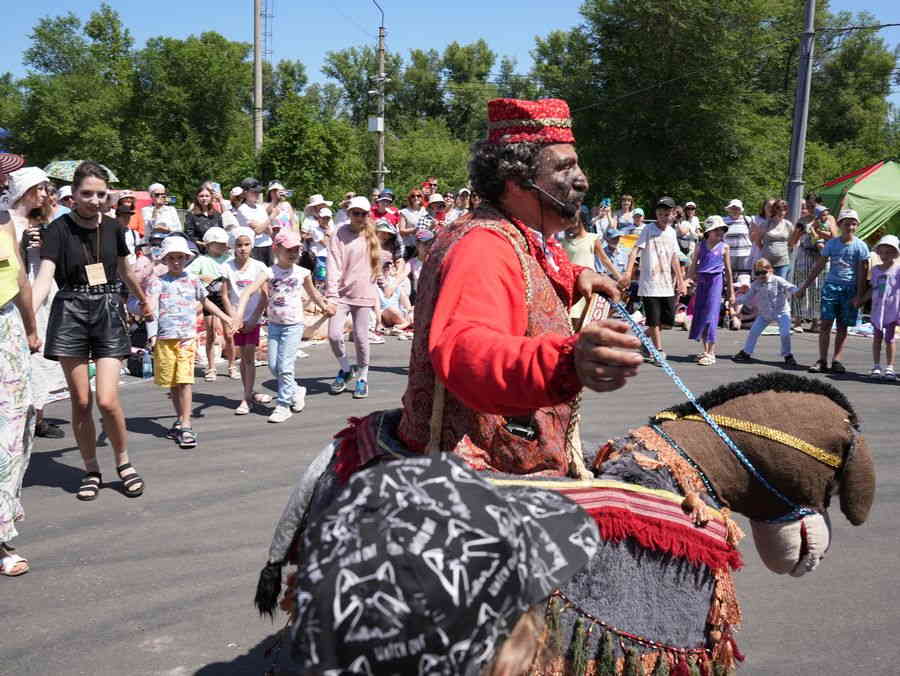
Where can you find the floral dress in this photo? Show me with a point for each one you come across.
(17, 418)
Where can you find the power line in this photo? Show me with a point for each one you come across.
(353, 21)
(857, 28)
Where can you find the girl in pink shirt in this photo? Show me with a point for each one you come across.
(354, 263)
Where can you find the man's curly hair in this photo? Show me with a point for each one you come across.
(492, 164)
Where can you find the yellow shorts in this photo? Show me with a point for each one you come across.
(173, 361)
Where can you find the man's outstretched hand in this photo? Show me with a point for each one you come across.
(603, 355)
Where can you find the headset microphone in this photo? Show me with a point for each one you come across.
(567, 209)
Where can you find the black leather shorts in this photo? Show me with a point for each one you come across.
(86, 325)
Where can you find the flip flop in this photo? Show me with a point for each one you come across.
(11, 565)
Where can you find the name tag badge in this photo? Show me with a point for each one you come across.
(96, 274)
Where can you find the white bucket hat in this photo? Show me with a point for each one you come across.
(175, 244)
(436, 197)
(889, 240)
(714, 223)
(22, 180)
(65, 191)
(735, 203)
(325, 213)
(215, 235)
(848, 213)
(274, 185)
(244, 231)
(156, 187)
(236, 191)
(358, 202)
(315, 200)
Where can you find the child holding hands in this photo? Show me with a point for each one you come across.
(173, 335)
(771, 296)
(239, 273)
(285, 282)
(885, 295)
(710, 260)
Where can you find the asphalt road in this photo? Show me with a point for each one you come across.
(163, 584)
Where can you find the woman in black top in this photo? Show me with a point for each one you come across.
(85, 252)
(201, 217)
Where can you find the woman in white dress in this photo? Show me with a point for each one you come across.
(30, 210)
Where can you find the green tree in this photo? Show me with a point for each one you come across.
(356, 70)
(426, 148)
(511, 85)
(313, 155)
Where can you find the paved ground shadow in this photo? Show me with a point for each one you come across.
(255, 661)
(45, 469)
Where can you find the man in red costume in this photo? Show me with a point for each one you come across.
(496, 370)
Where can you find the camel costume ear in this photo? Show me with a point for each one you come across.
(857, 486)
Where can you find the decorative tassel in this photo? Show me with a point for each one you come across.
(554, 628)
(579, 648)
(705, 666)
(681, 667)
(606, 656)
(693, 667)
(268, 589)
(634, 666)
(662, 665)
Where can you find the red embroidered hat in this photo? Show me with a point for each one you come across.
(541, 121)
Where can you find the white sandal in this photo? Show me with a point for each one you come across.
(9, 562)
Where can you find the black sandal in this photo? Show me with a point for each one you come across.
(90, 486)
(187, 438)
(131, 480)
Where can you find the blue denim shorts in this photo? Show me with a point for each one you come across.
(837, 303)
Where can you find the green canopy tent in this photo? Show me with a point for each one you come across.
(873, 191)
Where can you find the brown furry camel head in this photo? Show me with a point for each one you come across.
(804, 409)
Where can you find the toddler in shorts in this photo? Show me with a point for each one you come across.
(173, 335)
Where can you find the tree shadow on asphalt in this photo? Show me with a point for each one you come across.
(256, 662)
(203, 400)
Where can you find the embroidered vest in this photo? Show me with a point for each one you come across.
(434, 419)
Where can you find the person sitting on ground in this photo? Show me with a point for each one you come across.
(395, 310)
(770, 294)
(849, 259)
(424, 240)
(173, 336)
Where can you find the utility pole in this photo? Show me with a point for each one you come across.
(376, 124)
(801, 114)
(257, 76)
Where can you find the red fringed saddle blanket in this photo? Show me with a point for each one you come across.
(655, 519)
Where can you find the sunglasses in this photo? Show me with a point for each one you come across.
(689, 208)
(158, 194)
(760, 273)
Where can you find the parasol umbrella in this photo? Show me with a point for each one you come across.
(64, 170)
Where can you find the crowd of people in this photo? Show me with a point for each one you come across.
(738, 270)
(251, 270)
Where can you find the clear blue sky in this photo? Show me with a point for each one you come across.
(307, 30)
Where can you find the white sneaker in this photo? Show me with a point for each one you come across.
(375, 338)
(280, 414)
(299, 400)
(875, 372)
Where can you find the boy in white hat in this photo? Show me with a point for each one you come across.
(843, 288)
(173, 335)
(885, 295)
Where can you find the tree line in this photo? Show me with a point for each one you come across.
(688, 97)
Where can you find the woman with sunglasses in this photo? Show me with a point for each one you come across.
(772, 238)
(85, 253)
(411, 215)
(160, 216)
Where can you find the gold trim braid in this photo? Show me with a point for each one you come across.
(820, 454)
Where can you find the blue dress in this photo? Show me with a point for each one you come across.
(708, 296)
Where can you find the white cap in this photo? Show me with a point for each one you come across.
(236, 191)
(176, 244)
(714, 223)
(889, 240)
(735, 203)
(358, 202)
(848, 213)
(65, 191)
(690, 204)
(244, 231)
(274, 185)
(156, 187)
(315, 200)
(215, 235)
(325, 212)
(435, 197)
(22, 180)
